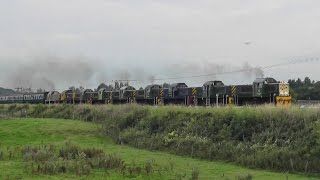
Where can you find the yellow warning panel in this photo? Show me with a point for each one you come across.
(194, 91)
(234, 90)
(159, 101)
(161, 92)
(283, 100)
(230, 100)
(284, 89)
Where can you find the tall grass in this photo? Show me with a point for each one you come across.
(283, 139)
(71, 159)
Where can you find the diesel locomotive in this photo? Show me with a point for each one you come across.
(211, 93)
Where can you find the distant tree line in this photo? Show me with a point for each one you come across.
(306, 89)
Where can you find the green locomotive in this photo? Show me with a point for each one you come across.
(211, 93)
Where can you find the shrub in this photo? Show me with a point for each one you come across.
(50, 160)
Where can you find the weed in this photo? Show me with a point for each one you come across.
(195, 173)
(244, 177)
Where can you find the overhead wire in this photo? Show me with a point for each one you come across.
(299, 61)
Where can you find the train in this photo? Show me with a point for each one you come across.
(211, 93)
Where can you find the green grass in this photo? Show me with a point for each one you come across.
(19, 132)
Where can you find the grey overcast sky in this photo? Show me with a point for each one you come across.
(84, 42)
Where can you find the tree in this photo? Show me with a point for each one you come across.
(304, 90)
(307, 81)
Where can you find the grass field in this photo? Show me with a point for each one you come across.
(20, 132)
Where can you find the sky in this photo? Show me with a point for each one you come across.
(54, 44)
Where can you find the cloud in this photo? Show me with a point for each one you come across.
(149, 34)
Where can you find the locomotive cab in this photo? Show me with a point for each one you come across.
(209, 88)
(176, 90)
(268, 88)
(102, 95)
(263, 86)
(84, 95)
(53, 97)
(153, 94)
(152, 91)
(214, 92)
(89, 96)
(128, 93)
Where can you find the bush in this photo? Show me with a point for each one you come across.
(283, 139)
(50, 160)
(261, 137)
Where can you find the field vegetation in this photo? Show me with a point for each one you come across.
(278, 139)
(68, 149)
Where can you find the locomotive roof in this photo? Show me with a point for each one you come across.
(102, 85)
(178, 84)
(152, 85)
(127, 88)
(267, 80)
(16, 95)
(67, 91)
(213, 83)
(85, 91)
(52, 92)
(70, 91)
(102, 89)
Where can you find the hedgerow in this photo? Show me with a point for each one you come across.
(281, 139)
